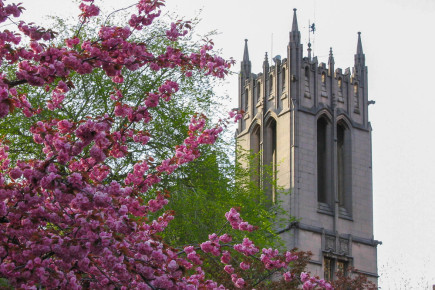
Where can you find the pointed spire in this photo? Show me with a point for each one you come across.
(295, 21)
(266, 64)
(359, 49)
(295, 35)
(359, 56)
(331, 62)
(246, 53)
(245, 65)
(331, 57)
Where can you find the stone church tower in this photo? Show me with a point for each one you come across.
(310, 122)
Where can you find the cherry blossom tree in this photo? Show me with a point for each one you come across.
(64, 221)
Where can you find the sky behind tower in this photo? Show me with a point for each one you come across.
(397, 38)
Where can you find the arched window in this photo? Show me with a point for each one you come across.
(270, 158)
(340, 164)
(322, 160)
(283, 79)
(256, 160)
(258, 91)
(270, 85)
(344, 185)
(324, 164)
(246, 99)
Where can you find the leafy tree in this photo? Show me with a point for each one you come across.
(202, 190)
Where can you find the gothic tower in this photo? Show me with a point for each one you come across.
(312, 120)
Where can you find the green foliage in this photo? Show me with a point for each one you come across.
(209, 187)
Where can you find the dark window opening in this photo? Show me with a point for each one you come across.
(256, 161)
(341, 165)
(246, 99)
(283, 78)
(344, 170)
(270, 159)
(322, 160)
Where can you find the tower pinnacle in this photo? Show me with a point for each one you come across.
(246, 53)
(295, 21)
(331, 56)
(245, 65)
(359, 49)
(295, 35)
(331, 62)
(359, 56)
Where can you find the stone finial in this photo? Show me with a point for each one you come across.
(331, 62)
(331, 55)
(245, 52)
(245, 65)
(359, 56)
(359, 49)
(295, 35)
(295, 21)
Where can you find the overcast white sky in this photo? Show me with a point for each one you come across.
(398, 40)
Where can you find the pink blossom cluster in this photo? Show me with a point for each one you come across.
(192, 256)
(309, 283)
(212, 245)
(177, 30)
(270, 259)
(247, 248)
(4, 161)
(235, 115)
(89, 10)
(5, 103)
(238, 281)
(148, 10)
(11, 9)
(35, 33)
(236, 222)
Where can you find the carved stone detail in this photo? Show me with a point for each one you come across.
(344, 246)
(330, 243)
